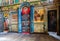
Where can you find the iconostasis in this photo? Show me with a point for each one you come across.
(10, 18)
(39, 21)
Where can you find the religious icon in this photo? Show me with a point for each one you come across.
(25, 10)
(39, 14)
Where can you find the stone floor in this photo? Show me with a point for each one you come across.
(26, 37)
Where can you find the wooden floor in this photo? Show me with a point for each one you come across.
(24, 37)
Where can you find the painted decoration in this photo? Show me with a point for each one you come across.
(11, 2)
(0, 2)
(16, 7)
(3, 2)
(46, 2)
(5, 8)
(39, 19)
(7, 2)
(11, 8)
(6, 14)
(39, 15)
(14, 28)
(6, 20)
(39, 28)
(19, 21)
(13, 21)
(25, 4)
(32, 19)
(25, 10)
(43, 0)
(16, 1)
(6, 23)
(20, 1)
(24, 0)
(1, 22)
(24, 19)
(33, 0)
(28, 0)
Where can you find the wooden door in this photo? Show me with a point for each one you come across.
(52, 20)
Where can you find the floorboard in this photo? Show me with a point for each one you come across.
(26, 37)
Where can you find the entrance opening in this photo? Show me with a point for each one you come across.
(25, 19)
(52, 20)
(59, 22)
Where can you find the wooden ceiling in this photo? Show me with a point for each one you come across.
(57, 1)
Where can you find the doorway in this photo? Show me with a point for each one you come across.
(59, 22)
(58, 27)
(52, 20)
(25, 19)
